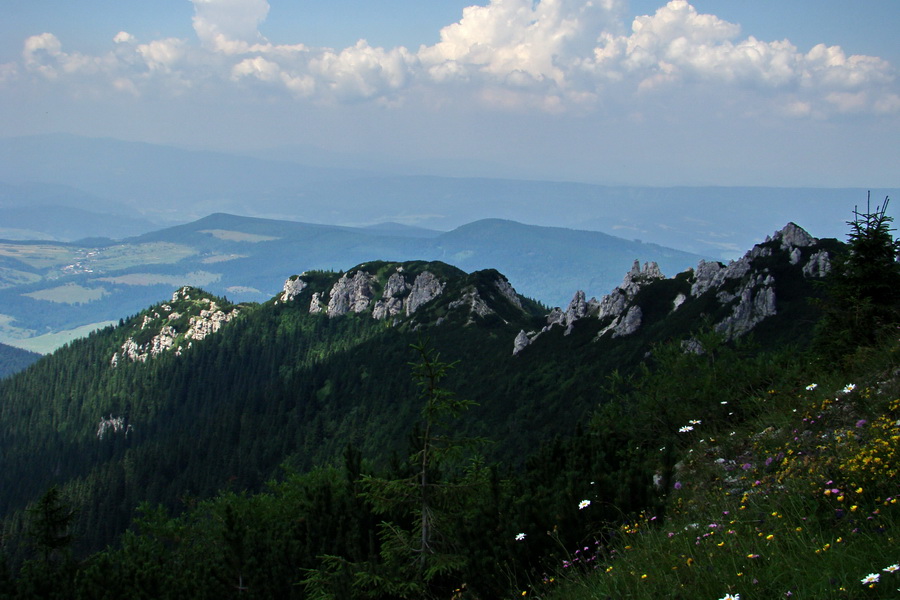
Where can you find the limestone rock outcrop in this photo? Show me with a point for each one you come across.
(741, 294)
(165, 322)
(351, 294)
(425, 288)
(292, 288)
(391, 302)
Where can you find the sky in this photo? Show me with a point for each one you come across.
(711, 92)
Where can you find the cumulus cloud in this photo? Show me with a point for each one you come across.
(519, 41)
(678, 47)
(549, 55)
(362, 71)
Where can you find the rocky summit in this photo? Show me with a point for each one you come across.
(739, 295)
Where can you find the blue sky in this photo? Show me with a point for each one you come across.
(721, 92)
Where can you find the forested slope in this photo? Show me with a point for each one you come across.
(197, 395)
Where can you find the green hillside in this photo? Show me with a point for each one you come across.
(407, 429)
(13, 359)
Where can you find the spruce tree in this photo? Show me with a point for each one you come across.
(418, 554)
(863, 289)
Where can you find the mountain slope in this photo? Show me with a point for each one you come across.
(196, 393)
(13, 359)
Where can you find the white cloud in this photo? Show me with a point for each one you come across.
(518, 41)
(123, 37)
(678, 47)
(547, 55)
(362, 71)
(41, 52)
(271, 72)
(162, 55)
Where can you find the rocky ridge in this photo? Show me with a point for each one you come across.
(742, 293)
(192, 315)
(398, 291)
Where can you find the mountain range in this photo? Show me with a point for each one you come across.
(141, 187)
(49, 290)
(197, 392)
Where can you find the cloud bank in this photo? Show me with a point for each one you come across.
(545, 55)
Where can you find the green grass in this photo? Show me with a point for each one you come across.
(800, 502)
(70, 293)
(194, 279)
(238, 236)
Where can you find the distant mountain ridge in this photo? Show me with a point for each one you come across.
(13, 360)
(166, 185)
(50, 287)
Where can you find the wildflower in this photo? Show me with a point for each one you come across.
(584, 504)
(870, 578)
(848, 388)
(730, 597)
(677, 485)
(520, 537)
(685, 429)
(812, 386)
(892, 569)
(695, 421)
(861, 423)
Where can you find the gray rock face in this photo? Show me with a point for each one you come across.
(627, 324)
(391, 303)
(210, 321)
(793, 236)
(706, 276)
(521, 342)
(757, 301)
(351, 294)
(508, 292)
(292, 288)
(626, 320)
(426, 287)
(819, 265)
(476, 304)
(316, 304)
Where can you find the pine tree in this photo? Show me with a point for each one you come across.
(50, 525)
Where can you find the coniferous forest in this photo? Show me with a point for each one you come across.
(297, 454)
